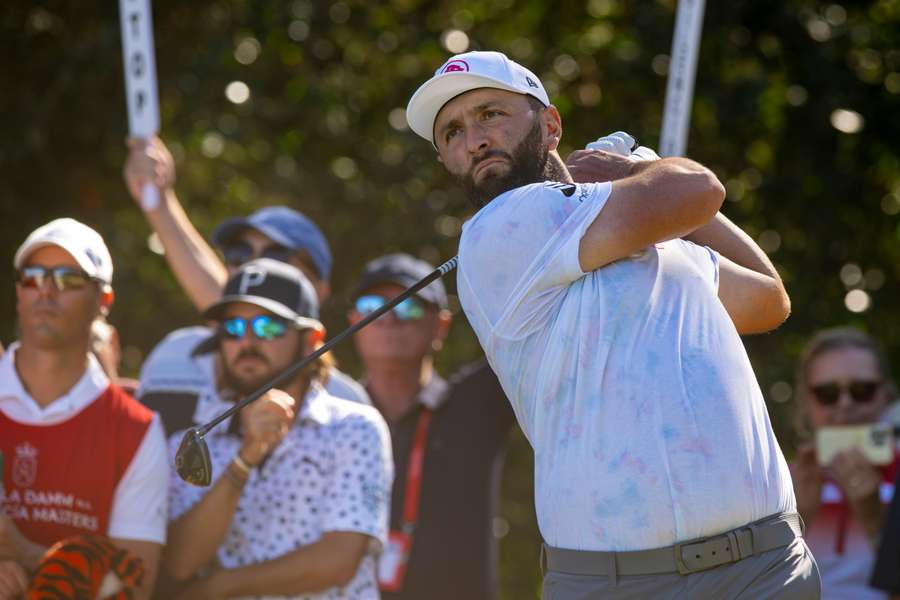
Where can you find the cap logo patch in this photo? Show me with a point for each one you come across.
(531, 82)
(91, 255)
(251, 277)
(455, 66)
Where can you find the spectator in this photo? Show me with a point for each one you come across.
(843, 378)
(82, 456)
(107, 349)
(175, 376)
(300, 504)
(442, 517)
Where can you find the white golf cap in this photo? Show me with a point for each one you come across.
(463, 73)
(83, 243)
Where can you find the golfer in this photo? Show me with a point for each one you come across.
(611, 313)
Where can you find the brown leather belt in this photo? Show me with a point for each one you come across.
(687, 557)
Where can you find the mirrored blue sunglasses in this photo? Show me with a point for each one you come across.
(410, 309)
(264, 327)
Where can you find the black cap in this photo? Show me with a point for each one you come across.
(277, 287)
(404, 270)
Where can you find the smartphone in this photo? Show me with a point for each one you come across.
(875, 441)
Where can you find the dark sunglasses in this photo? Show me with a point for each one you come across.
(862, 392)
(410, 309)
(264, 327)
(63, 278)
(238, 253)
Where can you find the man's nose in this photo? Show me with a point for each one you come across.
(476, 138)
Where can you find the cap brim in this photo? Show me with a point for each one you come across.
(431, 97)
(214, 312)
(80, 257)
(228, 229)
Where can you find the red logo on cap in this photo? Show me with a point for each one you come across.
(455, 66)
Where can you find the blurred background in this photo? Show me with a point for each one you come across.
(797, 109)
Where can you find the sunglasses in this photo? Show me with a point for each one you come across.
(410, 309)
(63, 278)
(862, 392)
(238, 253)
(264, 327)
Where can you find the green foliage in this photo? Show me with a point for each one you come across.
(323, 131)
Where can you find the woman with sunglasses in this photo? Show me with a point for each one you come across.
(843, 378)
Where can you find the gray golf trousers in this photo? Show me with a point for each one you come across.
(788, 573)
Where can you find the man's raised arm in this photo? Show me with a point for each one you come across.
(195, 264)
(656, 201)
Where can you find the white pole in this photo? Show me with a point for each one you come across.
(680, 84)
(138, 58)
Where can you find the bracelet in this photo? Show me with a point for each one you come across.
(241, 464)
(235, 480)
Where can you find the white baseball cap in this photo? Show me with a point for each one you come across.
(463, 73)
(83, 243)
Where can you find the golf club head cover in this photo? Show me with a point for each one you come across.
(86, 566)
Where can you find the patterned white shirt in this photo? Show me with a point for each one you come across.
(332, 472)
(631, 382)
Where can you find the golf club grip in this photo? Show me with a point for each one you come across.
(290, 371)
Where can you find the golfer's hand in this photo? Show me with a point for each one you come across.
(13, 580)
(623, 144)
(595, 166)
(615, 143)
(265, 422)
(808, 477)
(149, 161)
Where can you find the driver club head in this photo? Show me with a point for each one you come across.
(192, 459)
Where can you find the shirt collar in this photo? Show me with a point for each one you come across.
(17, 403)
(314, 408)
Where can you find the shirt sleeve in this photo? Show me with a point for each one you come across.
(704, 258)
(139, 503)
(520, 253)
(359, 492)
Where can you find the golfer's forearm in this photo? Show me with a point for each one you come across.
(195, 264)
(196, 535)
(318, 566)
(731, 241)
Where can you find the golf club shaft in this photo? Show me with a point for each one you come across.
(293, 369)
(682, 72)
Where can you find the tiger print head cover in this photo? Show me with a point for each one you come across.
(86, 567)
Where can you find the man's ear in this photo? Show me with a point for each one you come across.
(552, 126)
(442, 328)
(107, 297)
(314, 339)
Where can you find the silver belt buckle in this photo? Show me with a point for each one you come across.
(706, 553)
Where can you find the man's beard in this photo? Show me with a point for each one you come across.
(529, 163)
(244, 386)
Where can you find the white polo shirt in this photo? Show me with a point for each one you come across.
(631, 382)
(139, 503)
(332, 472)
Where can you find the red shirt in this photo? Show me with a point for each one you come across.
(60, 479)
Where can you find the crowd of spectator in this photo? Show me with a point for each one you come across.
(326, 487)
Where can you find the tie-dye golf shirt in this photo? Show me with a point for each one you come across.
(631, 382)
